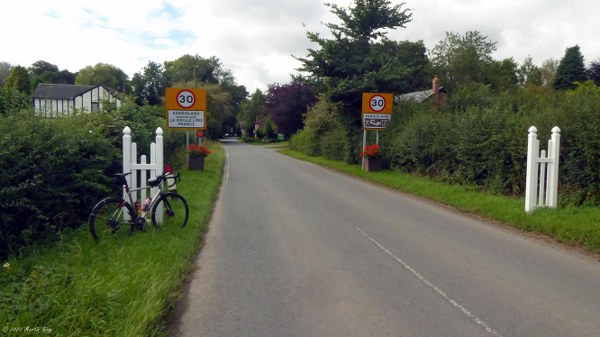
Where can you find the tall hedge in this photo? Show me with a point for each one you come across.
(55, 169)
(52, 171)
(480, 139)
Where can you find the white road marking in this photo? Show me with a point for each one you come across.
(226, 165)
(440, 292)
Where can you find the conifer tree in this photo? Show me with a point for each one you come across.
(571, 69)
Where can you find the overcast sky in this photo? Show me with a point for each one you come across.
(256, 39)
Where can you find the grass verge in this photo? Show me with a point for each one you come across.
(121, 287)
(577, 227)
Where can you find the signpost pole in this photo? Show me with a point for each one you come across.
(187, 146)
(363, 148)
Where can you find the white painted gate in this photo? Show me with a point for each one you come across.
(541, 187)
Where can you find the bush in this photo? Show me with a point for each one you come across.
(54, 171)
(306, 141)
(334, 144)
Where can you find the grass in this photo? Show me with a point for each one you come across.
(124, 286)
(574, 226)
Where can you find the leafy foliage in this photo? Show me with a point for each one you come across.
(571, 69)
(594, 71)
(55, 171)
(18, 79)
(106, 74)
(150, 84)
(492, 154)
(287, 104)
(461, 60)
(360, 58)
(13, 100)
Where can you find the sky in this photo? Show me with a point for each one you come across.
(257, 39)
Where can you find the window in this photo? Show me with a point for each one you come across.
(95, 106)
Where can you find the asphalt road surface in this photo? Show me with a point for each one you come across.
(294, 249)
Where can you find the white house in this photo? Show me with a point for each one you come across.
(56, 100)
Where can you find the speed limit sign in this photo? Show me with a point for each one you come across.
(186, 98)
(377, 103)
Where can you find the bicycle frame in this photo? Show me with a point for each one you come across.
(129, 198)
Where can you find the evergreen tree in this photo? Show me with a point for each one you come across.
(570, 69)
(360, 58)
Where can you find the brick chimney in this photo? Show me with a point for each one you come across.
(435, 85)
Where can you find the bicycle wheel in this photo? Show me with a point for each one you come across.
(108, 216)
(172, 208)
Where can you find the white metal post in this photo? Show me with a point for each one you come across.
(126, 159)
(532, 170)
(159, 157)
(554, 153)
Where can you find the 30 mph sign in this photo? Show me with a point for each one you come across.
(186, 108)
(377, 103)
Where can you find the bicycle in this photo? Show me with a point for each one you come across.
(112, 213)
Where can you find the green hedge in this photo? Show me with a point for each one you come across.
(56, 169)
(53, 170)
(481, 140)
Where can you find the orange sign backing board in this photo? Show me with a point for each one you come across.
(186, 108)
(377, 103)
(186, 99)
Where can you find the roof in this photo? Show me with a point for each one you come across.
(62, 91)
(417, 96)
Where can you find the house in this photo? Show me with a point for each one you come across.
(439, 94)
(56, 100)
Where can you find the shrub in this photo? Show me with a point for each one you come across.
(306, 141)
(54, 170)
(334, 144)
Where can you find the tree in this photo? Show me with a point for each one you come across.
(359, 57)
(501, 75)
(18, 80)
(105, 74)
(250, 110)
(4, 71)
(548, 71)
(190, 68)
(45, 72)
(594, 72)
(220, 110)
(529, 73)
(462, 59)
(149, 85)
(287, 104)
(571, 69)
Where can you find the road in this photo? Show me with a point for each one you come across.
(294, 249)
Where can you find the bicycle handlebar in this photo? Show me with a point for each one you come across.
(119, 179)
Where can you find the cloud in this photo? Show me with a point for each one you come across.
(256, 40)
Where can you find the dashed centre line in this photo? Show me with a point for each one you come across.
(432, 286)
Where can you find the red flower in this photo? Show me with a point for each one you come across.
(198, 151)
(370, 150)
